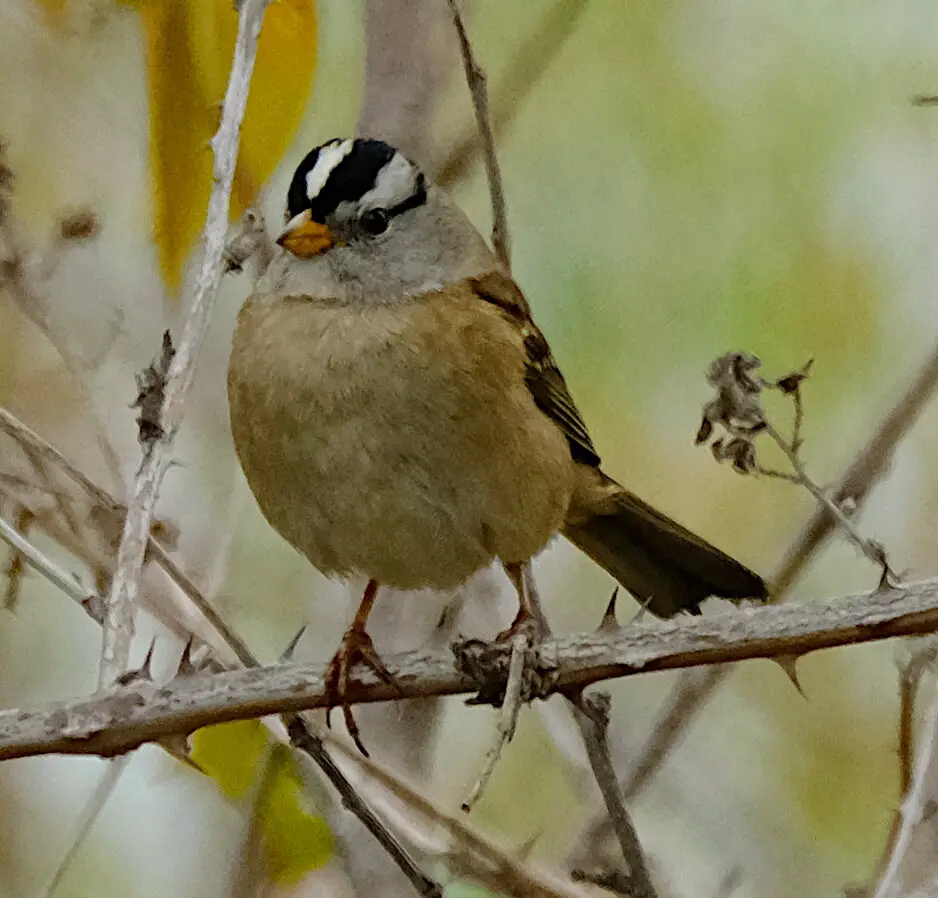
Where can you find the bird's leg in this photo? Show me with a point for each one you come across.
(356, 646)
(530, 618)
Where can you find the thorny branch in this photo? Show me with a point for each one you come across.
(119, 720)
(122, 596)
(93, 605)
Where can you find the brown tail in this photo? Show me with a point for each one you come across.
(664, 565)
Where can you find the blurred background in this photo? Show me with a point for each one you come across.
(686, 177)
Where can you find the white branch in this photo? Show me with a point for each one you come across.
(119, 720)
(48, 568)
(122, 596)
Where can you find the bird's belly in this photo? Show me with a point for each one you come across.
(372, 461)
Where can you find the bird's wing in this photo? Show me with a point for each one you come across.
(548, 388)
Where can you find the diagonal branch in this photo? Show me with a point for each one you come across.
(865, 471)
(49, 569)
(122, 596)
(119, 720)
(529, 62)
(475, 78)
(464, 850)
(591, 713)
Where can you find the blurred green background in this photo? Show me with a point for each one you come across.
(688, 177)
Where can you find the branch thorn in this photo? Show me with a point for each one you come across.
(142, 673)
(788, 663)
(609, 621)
(287, 655)
(185, 667)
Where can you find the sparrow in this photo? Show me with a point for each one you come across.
(399, 416)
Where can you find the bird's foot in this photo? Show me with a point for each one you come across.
(526, 623)
(356, 647)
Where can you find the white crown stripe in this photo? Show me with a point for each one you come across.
(329, 157)
(394, 183)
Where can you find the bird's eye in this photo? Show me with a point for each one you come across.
(375, 221)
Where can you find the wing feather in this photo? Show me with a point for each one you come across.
(542, 375)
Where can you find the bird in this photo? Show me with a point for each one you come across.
(399, 416)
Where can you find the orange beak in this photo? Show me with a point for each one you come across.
(304, 237)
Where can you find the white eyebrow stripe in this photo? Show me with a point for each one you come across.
(329, 157)
(396, 182)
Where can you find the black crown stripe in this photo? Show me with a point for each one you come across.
(349, 181)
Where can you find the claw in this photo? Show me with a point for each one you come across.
(526, 623)
(356, 647)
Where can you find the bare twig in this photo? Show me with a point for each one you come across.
(507, 720)
(684, 701)
(464, 850)
(15, 567)
(204, 606)
(909, 681)
(309, 740)
(119, 720)
(90, 813)
(910, 678)
(913, 807)
(868, 467)
(475, 78)
(87, 598)
(870, 548)
(45, 452)
(28, 438)
(865, 471)
(528, 65)
(122, 596)
(592, 716)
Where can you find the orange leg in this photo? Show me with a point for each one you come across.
(356, 646)
(530, 618)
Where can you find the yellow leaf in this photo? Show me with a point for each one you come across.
(295, 841)
(189, 45)
(230, 754)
